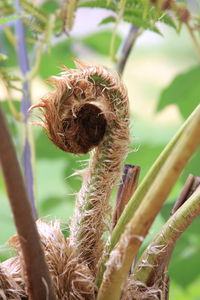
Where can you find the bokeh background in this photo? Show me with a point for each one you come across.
(162, 76)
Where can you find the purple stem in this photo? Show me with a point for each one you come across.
(25, 104)
(126, 49)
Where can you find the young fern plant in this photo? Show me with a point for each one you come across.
(89, 109)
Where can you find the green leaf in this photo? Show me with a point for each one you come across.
(100, 42)
(52, 61)
(167, 19)
(50, 6)
(137, 21)
(184, 91)
(107, 20)
(7, 19)
(99, 4)
(34, 11)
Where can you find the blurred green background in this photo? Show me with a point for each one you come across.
(162, 76)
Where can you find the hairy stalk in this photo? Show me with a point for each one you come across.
(149, 278)
(35, 268)
(122, 255)
(126, 189)
(162, 281)
(150, 263)
(90, 109)
(129, 42)
(25, 104)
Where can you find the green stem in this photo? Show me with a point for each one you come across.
(143, 188)
(129, 43)
(9, 34)
(123, 254)
(71, 8)
(36, 66)
(150, 262)
(141, 191)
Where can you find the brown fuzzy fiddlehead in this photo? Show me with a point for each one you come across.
(89, 109)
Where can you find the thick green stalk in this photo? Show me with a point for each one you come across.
(150, 261)
(123, 254)
(142, 190)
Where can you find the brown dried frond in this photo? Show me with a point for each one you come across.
(71, 278)
(9, 288)
(136, 290)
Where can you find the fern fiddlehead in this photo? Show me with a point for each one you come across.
(89, 109)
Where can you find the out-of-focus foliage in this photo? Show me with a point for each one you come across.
(53, 168)
(100, 42)
(139, 13)
(5, 20)
(184, 91)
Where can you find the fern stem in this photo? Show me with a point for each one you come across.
(71, 8)
(10, 35)
(35, 268)
(129, 43)
(150, 262)
(143, 188)
(140, 193)
(25, 105)
(92, 208)
(38, 57)
(122, 255)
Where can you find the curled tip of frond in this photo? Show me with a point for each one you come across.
(76, 113)
(71, 278)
